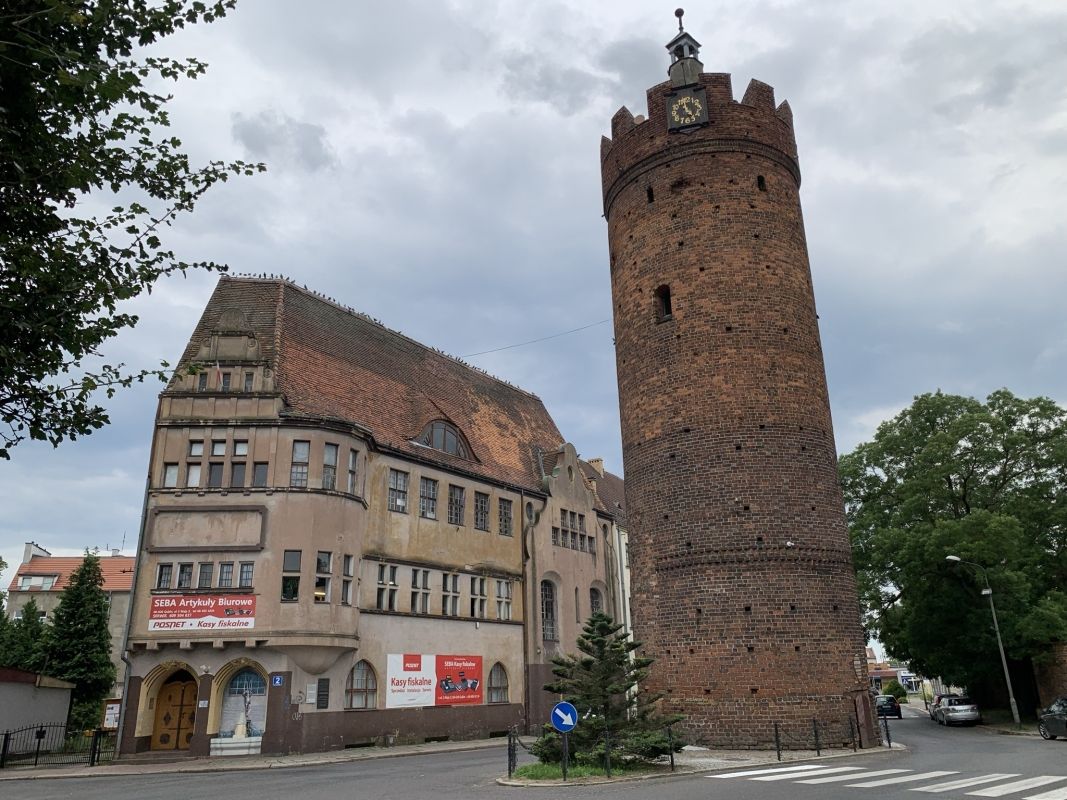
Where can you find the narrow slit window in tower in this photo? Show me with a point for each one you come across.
(761, 183)
(663, 303)
(651, 194)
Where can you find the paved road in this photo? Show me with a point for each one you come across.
(937, 761)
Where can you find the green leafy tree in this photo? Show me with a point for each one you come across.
(78, 647)
(986, 482)
(24, 640)
(89, 179)
(603, 683)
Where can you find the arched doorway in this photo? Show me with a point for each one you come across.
(175, 712)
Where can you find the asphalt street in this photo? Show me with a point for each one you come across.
(938, 762)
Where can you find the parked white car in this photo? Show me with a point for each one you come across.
(957, 711)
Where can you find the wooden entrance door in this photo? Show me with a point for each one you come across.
(175, 713)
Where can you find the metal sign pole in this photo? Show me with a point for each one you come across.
(566, 754)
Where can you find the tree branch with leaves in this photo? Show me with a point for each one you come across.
(83, 127)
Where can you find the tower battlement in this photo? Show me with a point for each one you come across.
(752, 124)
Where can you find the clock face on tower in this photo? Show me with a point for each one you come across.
(687, 108)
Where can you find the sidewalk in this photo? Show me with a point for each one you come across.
(226, 764)
(689, 760)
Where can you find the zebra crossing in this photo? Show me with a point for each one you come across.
(995, 784)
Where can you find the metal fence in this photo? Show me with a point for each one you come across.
(55, 745)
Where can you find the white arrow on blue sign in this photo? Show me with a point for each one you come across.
(564, 717)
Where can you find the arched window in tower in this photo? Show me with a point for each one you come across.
(761, 183)
(596, 601)
(498, 684)
(663, 303)
(549, 630)
(445, 437)
(362, 688)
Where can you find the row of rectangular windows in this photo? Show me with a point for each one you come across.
(205, 575)
(298, 470)
(223, 381)
(324, 562)
(456, 510)
(571, 532)
(388, 593)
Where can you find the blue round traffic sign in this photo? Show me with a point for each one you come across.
(564, 717)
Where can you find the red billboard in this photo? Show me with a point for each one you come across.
(201, 612)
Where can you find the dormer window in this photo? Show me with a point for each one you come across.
(442, 436)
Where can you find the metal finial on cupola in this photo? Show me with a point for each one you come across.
(685, 66)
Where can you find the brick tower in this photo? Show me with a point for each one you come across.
(743, 586)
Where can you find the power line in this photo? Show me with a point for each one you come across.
(535, 341)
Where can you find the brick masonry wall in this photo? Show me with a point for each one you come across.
(742, 581)
(1051, 676)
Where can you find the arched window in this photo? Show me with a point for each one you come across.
(442, 436)
(362, 688)
(596, 601)
(498, 684)
(549, 631)
(247, 680)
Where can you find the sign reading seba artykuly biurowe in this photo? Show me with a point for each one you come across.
(427, 679)
(202, 612)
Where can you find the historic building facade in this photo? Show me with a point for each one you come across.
(349, 538)
(743, 587)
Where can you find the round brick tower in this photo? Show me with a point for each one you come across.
(742, 582)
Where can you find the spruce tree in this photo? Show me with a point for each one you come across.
(78, 647)
(23, 644)
(602, 682)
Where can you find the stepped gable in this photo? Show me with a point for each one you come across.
(334, 363)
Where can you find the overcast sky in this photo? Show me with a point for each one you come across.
(436, 165)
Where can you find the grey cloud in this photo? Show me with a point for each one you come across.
(272, 135)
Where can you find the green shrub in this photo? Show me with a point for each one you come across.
(894, 688)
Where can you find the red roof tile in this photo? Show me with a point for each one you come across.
(331, 362)
(117, 571)
(610, 489)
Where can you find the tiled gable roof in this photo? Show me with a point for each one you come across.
(117, 571)
(610, 489)
(332, 362)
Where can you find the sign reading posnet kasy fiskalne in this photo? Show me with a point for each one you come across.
(201, 612)
(415, 680)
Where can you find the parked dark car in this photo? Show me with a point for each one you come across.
(888, 706)
(1052, 722)
(937, 702)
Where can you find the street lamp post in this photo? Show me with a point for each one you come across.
(988, 592)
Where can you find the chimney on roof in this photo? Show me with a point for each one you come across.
(598, 465)
(33, 549)
(115, 552)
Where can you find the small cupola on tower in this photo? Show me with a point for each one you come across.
(685, 67)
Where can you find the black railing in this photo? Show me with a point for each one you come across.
(55, 745)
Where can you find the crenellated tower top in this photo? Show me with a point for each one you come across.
(696, 110)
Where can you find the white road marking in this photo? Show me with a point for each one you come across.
(865, 775)
(921, 776)
(1017, 786)
(963, 784)
(825, 771)
(1055, 794)
(767, 771)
